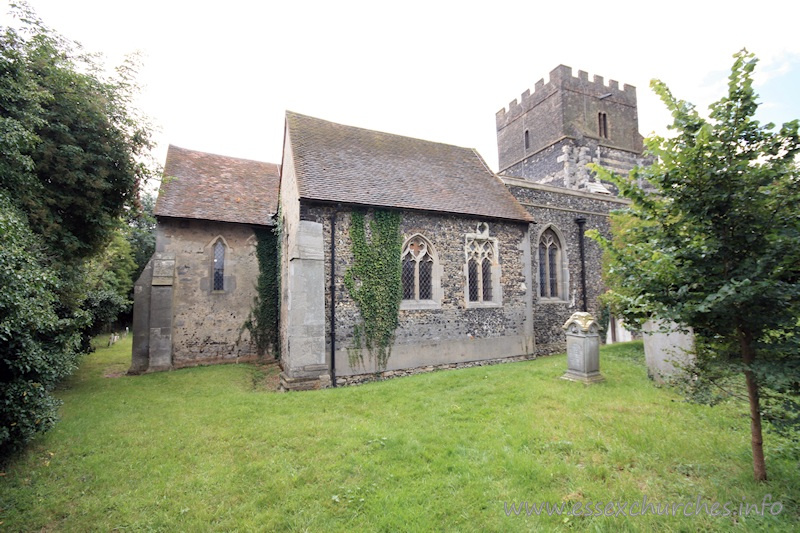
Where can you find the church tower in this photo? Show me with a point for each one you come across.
(552, 133)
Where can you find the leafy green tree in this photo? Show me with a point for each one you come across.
(75, 149)
(716, 244)
(89, 140)
(37, 346)
(140, 232)
(20, 112)
(114, 267)
(109, 281)
(72, 158)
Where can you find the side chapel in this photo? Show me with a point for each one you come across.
(492, 263)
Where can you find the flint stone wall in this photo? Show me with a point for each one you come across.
(450, 333)
(556, 207)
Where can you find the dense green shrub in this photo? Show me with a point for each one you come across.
(37, 348)
(103, 307)
(73, 156)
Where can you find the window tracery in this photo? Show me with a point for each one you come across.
(550, 265)
(419, 270)
(482, 268)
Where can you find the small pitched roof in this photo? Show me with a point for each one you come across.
(337, 163)
(216, 187)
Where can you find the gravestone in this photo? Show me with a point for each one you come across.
(583, 349)
(667, 349)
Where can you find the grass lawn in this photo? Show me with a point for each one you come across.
(214, 449)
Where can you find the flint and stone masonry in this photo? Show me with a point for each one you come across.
(557, 209)
(446, 330)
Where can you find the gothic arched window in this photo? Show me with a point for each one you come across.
(483, 267)
(218, 270)
(550, 265)
(420, 270)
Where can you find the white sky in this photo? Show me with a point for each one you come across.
(219, 75)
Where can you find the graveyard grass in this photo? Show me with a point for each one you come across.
(214, 449)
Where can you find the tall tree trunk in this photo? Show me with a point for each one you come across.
(757, 441)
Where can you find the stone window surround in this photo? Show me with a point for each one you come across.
(482, 235)
(211, 246)
(563, 271)
(436, 278)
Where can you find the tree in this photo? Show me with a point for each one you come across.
(82, 162)
(716, 245)
(140, 232)
(20, 112)
(72, 158)
(109, 282)
(37, 347)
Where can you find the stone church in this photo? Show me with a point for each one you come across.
(493, 264)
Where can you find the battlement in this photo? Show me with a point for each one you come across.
(561, 78)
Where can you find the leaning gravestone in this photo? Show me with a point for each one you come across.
(583, 349)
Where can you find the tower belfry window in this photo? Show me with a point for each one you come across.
(602, 125)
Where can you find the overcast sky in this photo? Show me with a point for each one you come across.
(219, 75)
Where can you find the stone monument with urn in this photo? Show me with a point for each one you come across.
(583, 349)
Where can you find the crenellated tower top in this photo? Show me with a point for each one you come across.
(561, 79)
(549, 134)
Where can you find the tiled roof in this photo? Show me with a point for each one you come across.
(336, 163)
(215, 187)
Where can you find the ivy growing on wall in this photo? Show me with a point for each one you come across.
(374, 282)
(262, 323)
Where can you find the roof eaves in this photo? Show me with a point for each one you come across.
(521, 220)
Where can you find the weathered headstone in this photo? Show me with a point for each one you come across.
(583, 349)
(667, 349)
